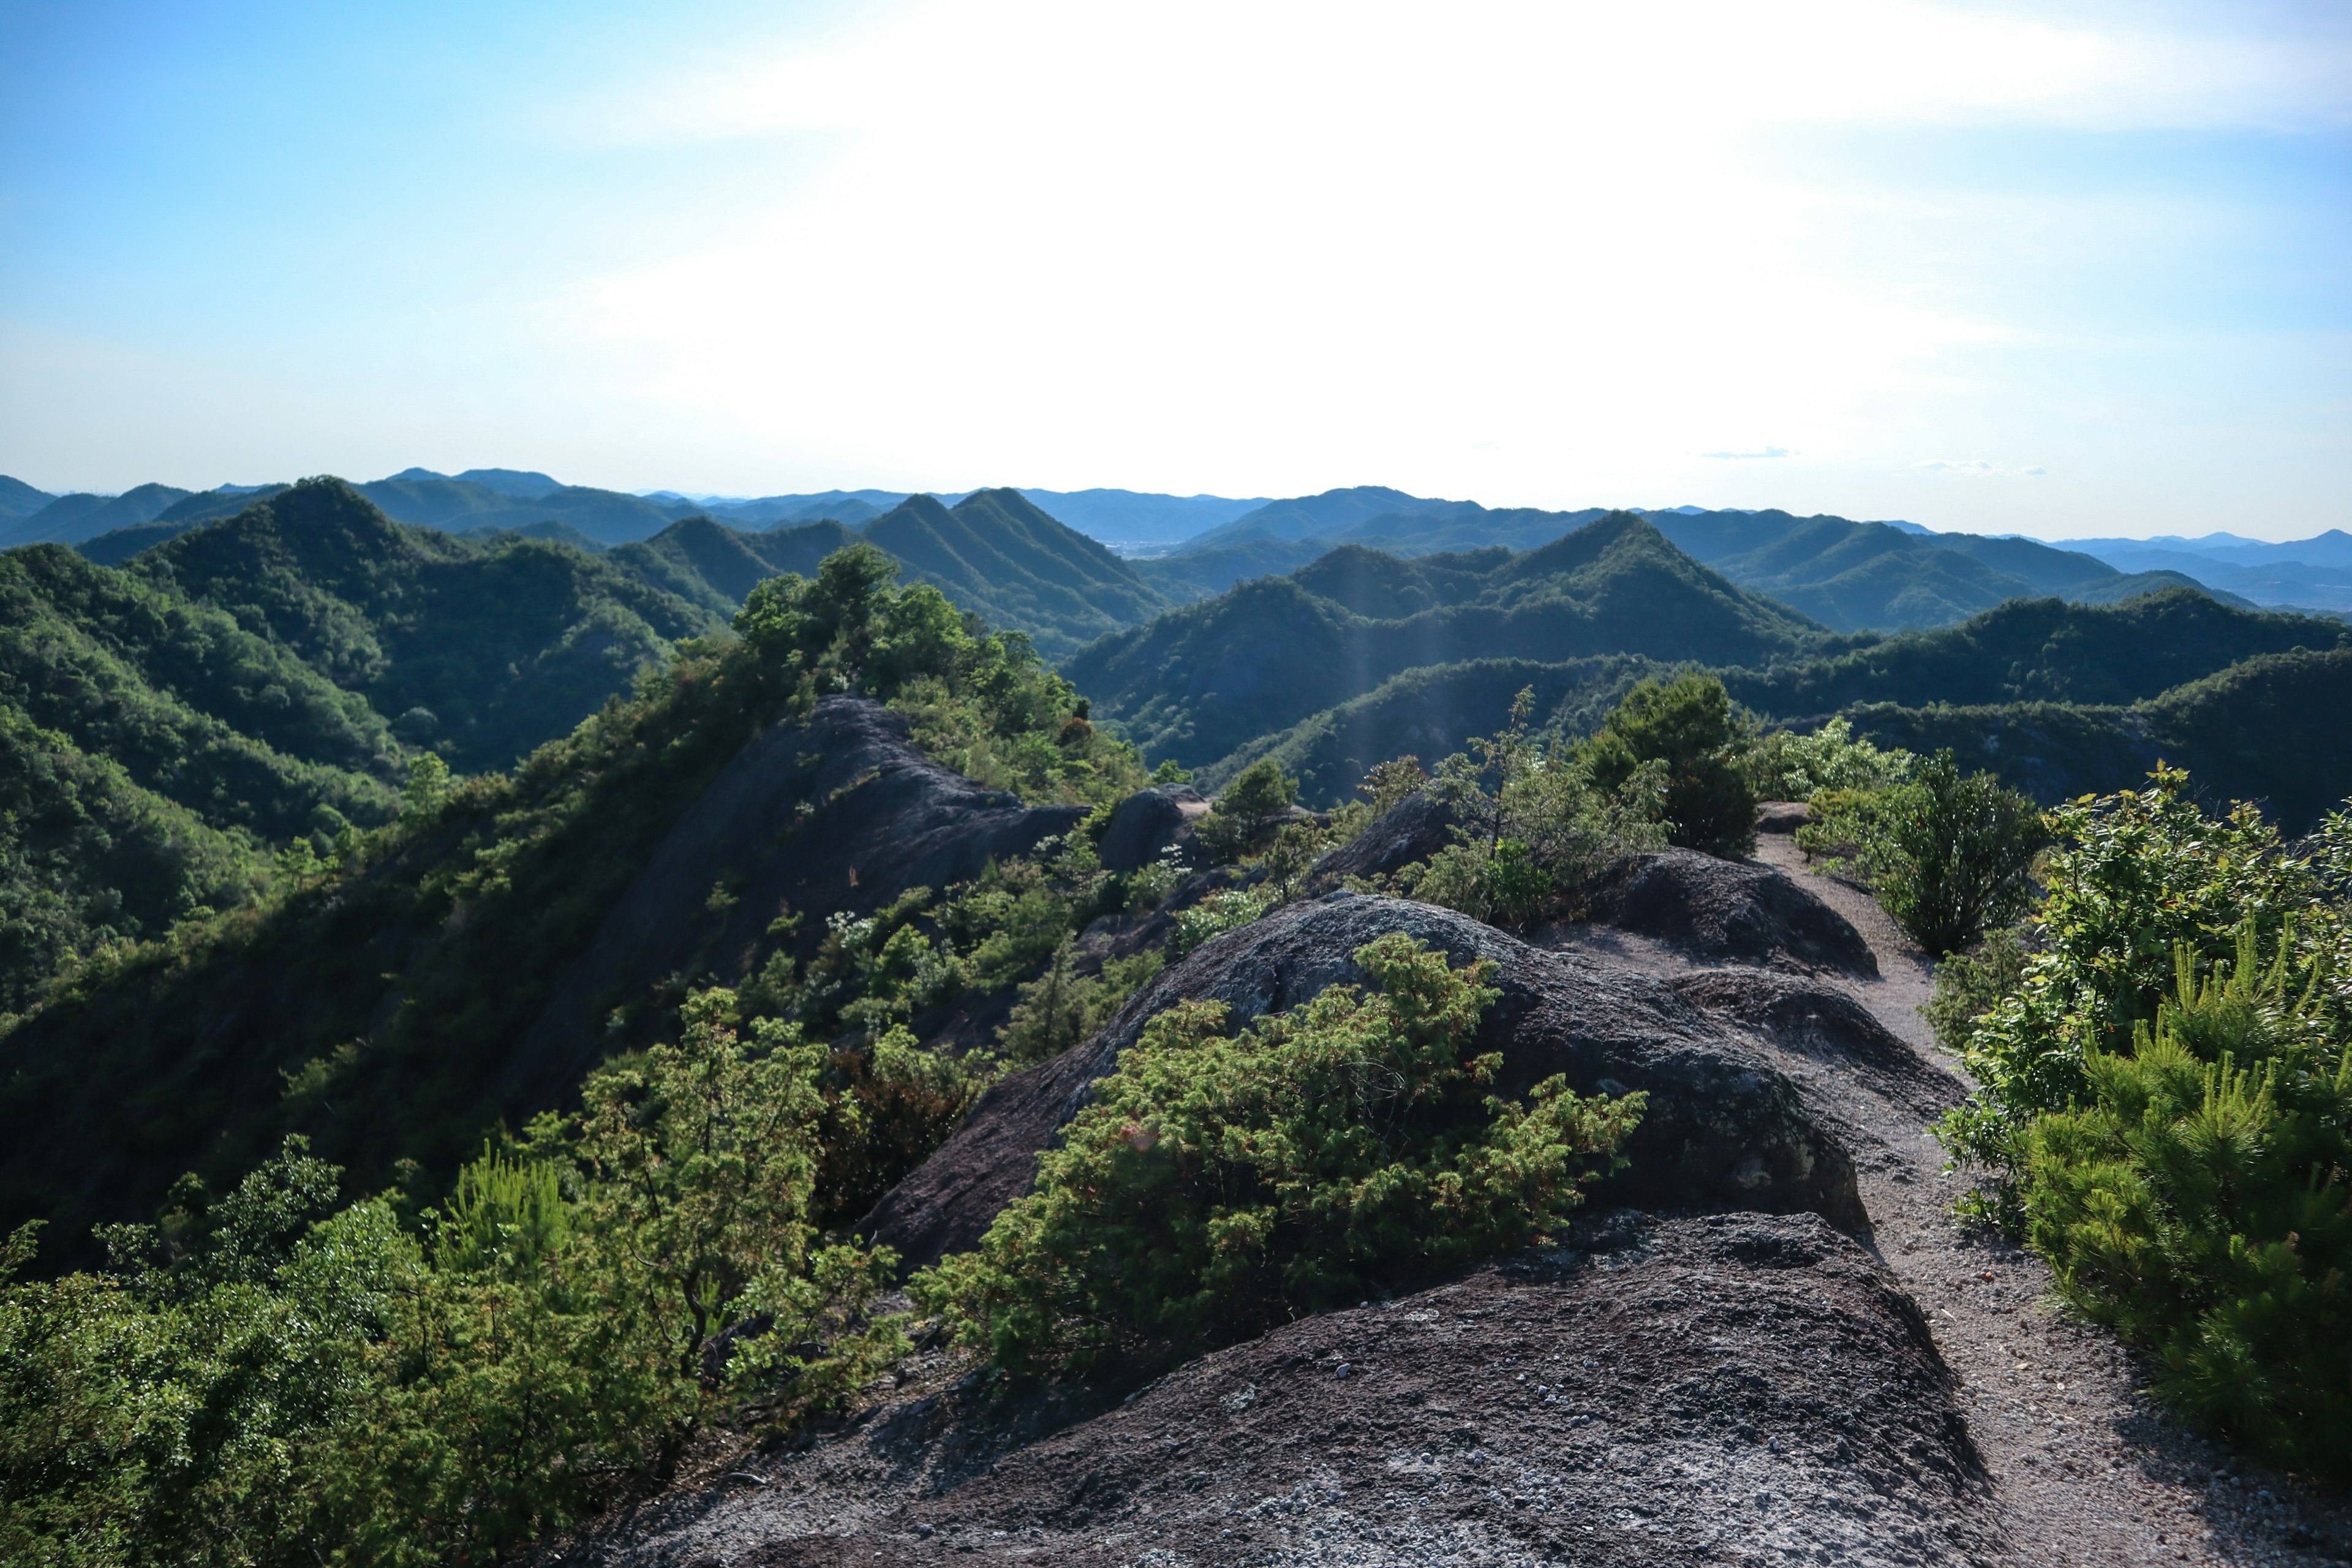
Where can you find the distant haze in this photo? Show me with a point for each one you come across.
(2066, 270)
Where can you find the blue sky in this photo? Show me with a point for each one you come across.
(2070, 271)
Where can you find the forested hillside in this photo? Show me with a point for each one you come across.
(2056, 698)
(1200, 681)
(396, 999)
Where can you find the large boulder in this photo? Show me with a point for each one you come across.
(1414, 829)
(1147, 823)
(1730, 1388)
(1728, 910)
(1725, 1129)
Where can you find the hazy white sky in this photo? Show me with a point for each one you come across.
(2064, 269)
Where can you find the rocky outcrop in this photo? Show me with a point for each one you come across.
(1728, 910)
(839, 815)
(1731, 1388)
(1414, 829)
(1724, 1129)
(1148, 822)
(1781, 816)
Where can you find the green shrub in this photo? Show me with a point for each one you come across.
(1971, 984)
(1062, 1006)
(1245, 815)
(2196, 1201)
(1529, 847)
(1215, 915)
(1949, 855)
(1690, 725)
(1220, 1183)
(1786, 765)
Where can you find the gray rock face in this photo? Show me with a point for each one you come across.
(1414, 829)
(1783, 816)
(1148, 822)
(841, 816)
(1731, 1388)
(1728, 910)
(1724, 1130)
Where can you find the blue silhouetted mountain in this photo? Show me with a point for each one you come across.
(19, 500)
(72, 519)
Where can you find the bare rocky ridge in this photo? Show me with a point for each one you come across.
(1663, 1387)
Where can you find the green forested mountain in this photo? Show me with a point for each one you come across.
(711, 565)
(1200, 681)
(2056, 698)
(2043, 651)
(89, 858)
(1191, 575)
(396, 1004)
(223, 721)
(1849, 575)
(480, 651)
(998, 556)
(1853, 575)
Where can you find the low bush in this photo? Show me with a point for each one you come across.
(1786, 765)
(1533, 831)
(1218, 1183)
(1949, 855)
(2163, 1108)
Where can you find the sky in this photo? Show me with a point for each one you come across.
(2065, 269)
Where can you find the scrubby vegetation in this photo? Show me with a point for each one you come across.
(2165, 1104)
(1219, 1182)
(1950, 855)
(273, 1379)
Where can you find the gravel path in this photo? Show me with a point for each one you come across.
(2089, 1470)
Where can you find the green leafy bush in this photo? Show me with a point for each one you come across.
(1786, 765)
(1971, 984)
(1690, 726)
(1219, 1183)
(1949, 855)
(1532, 829)
(1213, 916)
(2162, 1104)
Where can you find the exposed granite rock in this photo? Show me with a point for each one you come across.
(1414, 829)
(1731, 911)
(1148, 822)
(1723, 1128)
(1738, 1388)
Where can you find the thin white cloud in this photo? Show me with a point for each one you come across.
(1759, 452)
(1977, 469)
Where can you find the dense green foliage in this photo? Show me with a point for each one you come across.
(268, 1380)
(1247, 811)
(2163, 1105)
(1789, 764)
(1219, 1183)
(88, 859)
(1689, 728)
(1950, 855)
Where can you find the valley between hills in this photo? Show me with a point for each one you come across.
(539, 1025)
